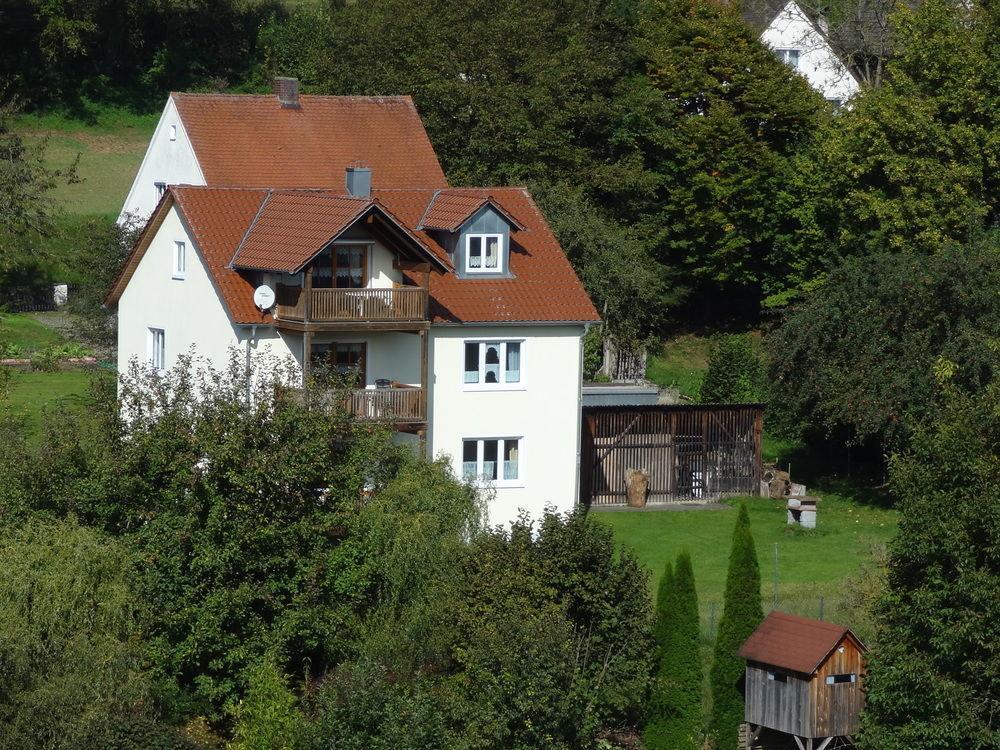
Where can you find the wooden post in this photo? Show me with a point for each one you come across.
(307, 338)
(307, 285)
(758, 429)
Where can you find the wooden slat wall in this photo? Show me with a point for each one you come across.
(783, 706)
(392, 404)
(837, 708)
(689, 452)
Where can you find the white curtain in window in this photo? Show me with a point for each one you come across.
(513, 374)
(492, 251)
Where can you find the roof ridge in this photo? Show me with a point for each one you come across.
(420, 221)
(229, 95)
(253, 223)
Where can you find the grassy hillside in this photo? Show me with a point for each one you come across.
(110, 144)
(680, 363)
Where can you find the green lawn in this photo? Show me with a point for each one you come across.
(811, 564)
(34, 393)
(27, 334)
(680, 363)
(110, 144)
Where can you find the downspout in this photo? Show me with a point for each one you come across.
(250, 339)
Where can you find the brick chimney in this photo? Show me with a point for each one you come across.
(287, 91)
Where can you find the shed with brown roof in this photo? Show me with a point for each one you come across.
(804, 678)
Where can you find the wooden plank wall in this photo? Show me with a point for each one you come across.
(783, 706)
(690, 452)
(837, 708)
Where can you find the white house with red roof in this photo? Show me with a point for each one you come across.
(455, 309)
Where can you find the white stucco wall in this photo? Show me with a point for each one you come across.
(791, 29)
(172, 162)
(544, 412)
(188, 311)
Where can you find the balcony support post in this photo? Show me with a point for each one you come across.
(307, 339)
(307, 285)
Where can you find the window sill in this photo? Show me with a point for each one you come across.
(513, 485)
(480, 388)
(175, 277)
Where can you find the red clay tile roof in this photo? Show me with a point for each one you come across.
(793, 643)
(291, 227)
(251, 141)
(543, 287)
(449, 209)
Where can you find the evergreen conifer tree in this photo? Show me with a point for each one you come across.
(741, 614)
(675, 721)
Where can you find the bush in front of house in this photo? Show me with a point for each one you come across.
(736, 371)
(676, 720)
(741, 614)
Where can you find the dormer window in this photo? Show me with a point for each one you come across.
(483, 253)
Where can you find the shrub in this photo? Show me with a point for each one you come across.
(73, 665)
(268, 717)
(736, 371)
(741, 614)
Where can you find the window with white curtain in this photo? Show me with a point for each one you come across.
(493, 363)
(483, 253)
(180, 260)
(492, 460)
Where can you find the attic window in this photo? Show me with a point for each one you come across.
(789, 57)
(173, 132)
(483, 253)
(839, 679)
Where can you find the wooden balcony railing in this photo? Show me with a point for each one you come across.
(390, 404)
(338, 305)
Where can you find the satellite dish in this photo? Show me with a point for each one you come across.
(263, 297)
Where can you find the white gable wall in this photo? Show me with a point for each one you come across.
(791, 29)
(188, 311)
(543, 412)
(172, 162)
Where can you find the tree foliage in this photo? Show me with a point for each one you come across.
(935, 668)
(857, 359)
(736, 371)
(675, 719)
(741, 614)
(72, 661)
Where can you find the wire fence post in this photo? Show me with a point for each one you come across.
(775, 578)
(820, 608)
(711, 621)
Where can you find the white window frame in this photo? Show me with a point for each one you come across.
(481, 450)
(173, 132)
(783, 54)
(156, 349)
(503, 385)
(485, 238)
(159, 190)
(178, 265)
(831, 678)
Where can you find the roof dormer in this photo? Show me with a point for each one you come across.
(475, 229)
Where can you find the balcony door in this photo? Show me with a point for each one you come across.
(350, 266)
(347, 360)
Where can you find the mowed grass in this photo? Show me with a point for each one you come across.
(33, 395)
(27, 333)
(829, 562)
(680, 363)
(110, 144)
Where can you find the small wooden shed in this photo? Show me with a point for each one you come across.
(804, 678)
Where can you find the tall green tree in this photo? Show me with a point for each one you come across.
(676, 718)
(856, 359)
(741, 614)
(736, 371)
(727, 121)
(912, 165)
(934, 671)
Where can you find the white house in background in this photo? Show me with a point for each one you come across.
(454, 308)
(801, 43)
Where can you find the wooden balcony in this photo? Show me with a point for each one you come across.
(396, 405)
(377, 308)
